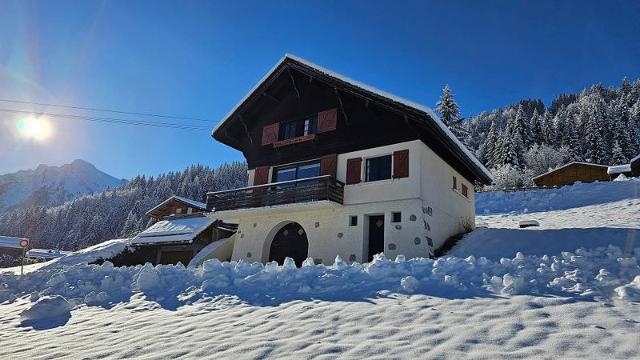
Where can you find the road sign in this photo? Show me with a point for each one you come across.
(24, 243)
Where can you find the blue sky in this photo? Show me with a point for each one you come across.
(198, 58)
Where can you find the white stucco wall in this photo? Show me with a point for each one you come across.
(327, 224)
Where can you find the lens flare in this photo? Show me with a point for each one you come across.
(36, 128)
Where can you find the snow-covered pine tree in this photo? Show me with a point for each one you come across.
(548, 130)
(618, 157)
(487, 151)
(449, 112)
(511, 149)
(594, 118)
(535, 126)
(522, 127)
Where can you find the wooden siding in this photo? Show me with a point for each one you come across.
(572, 173)
(172, 207)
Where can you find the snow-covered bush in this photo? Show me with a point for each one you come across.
(542, 158)
(509, 177)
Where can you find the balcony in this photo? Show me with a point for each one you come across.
(320, 188)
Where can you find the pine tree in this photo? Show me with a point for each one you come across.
(449, 112)
(487, 151)
(593, 116)
(548, 131)
(511, 150)
(536, 128)
(522, 127)
(618, 157)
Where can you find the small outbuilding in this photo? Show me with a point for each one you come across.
(177, 205)
(571, 173)
(617, 170)
(45, 254)
(635, 166)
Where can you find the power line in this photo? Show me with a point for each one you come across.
(105, 110)
(112, 120)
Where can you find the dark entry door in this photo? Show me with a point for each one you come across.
(290, 241)
(376, 235)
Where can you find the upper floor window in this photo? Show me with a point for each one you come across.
(454, 184)
(297, 171)
(288, 130)
(465, 190)
(378, 168)
(294, 129)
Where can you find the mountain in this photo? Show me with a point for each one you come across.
(53, 185)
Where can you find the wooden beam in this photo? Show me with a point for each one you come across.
(246, 129)
(344, 114)
(269, 96)
(293, 82)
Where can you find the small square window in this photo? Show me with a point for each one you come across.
(396, 217)
(353, 221)
(179, 211)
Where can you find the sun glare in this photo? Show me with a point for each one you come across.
(36, 128)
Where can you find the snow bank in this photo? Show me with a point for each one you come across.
(566, 197)
(49, 307)
(602, 272)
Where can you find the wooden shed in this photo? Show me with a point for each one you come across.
(571, 173)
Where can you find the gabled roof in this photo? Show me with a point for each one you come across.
(618, 169)
(189, 202)
(173, 230)
(421, 110)
(569, 164)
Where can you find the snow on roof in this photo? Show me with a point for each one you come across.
(181, 229)
(569, 164)
(365, 87)
(193, 203)
(46, 253)
(10, 242)
(618, 169)
(634, 159)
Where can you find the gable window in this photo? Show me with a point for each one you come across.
(297, 171)
(378, 168)
(289, 130)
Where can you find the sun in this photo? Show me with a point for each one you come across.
(36, 128)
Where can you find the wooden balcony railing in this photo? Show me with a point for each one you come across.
(286, 192)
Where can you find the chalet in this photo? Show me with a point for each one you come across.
(617, 170)
(337, 167)
(571, 173)
(177, 205)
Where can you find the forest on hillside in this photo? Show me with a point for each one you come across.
(517, 142)
(118, 212)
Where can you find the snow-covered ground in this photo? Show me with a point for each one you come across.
(535, 295)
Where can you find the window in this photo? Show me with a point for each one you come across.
(455, 183)
(288, 130)
(465, 190)
(309, 126)
(189, 210)
(179, 211)
(353, 221)
(378, 168)
(298, 171)
(396, 217)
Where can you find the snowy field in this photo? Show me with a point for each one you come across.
(567, 289)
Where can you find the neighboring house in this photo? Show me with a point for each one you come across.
(177, 205)
(617, 170)
(635, 166)
(340, 168)
(571, 173)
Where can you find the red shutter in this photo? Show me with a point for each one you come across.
(270, 133)
(400, 164)
(329, 165)
(261, 175)
(354, 167)
(327, 120)
(465, 190)
(455, 183)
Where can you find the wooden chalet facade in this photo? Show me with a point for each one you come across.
(339, 168)
(177, 205)
(571, 173)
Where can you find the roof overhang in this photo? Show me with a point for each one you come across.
(422, 115)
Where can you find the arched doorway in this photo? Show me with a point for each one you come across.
(289, 241)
